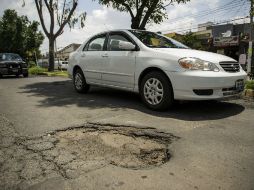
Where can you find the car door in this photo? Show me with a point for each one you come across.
(92, 58)
(119, 68)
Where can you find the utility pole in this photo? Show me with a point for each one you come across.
(250, 50)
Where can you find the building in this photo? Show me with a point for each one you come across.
(205, 35)
(231, 39)
(205, 26)
(64, 53)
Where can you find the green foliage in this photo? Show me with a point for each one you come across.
(249, 84)
(31, 64)
(143, 11)
(42, 71)
(19, 35)
(57, 74)
(36, 70)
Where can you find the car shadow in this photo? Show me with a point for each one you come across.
(63, 94)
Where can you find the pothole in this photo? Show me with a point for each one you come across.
(70, 153)
(127, 147)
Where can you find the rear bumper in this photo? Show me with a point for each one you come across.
(201, 85)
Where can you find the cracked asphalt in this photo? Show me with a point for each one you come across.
(53, 138)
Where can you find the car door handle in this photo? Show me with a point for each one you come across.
(105, 55)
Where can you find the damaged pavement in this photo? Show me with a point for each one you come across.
(69, 153)
(116, 143)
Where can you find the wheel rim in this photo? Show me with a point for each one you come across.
(153, 91)
(78, 81)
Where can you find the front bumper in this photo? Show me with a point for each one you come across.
(212, 85)
(13, 71)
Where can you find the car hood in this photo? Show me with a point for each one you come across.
(204, 55)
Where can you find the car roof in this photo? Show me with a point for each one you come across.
(119, 30)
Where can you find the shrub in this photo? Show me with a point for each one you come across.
(249, 84)
(31, 64)
(37, 70)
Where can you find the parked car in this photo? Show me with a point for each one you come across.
(61, 65)
(159, 68)
(12, 64)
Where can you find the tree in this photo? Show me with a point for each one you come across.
(61, 13)
(143, 11)
(19, 35)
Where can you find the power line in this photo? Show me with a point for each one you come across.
(224, 7)
(189, 22)
(240, 8)
(219, 23)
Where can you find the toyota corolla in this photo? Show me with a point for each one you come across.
(159, 68)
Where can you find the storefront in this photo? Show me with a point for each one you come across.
(232, 40)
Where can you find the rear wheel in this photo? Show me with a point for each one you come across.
(156, 91)
(80, 82)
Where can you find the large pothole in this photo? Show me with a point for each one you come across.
(69, 153)
(127, 147)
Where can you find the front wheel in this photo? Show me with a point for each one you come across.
(156, 91)
(25, 75)
(80, 82)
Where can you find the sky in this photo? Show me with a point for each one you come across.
(181, 18)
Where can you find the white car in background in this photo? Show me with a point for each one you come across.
(160, 69)
(61, 65)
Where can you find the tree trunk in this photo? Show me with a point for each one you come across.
(135, 23)
(148, 14)
(51, 54)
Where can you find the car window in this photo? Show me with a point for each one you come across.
(154, 40)
(96, 44)
(10, 57)
(114, 40)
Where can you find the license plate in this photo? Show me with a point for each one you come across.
(15, 70)
(239, 85)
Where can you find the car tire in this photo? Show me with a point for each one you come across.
(156, 91)
(25, 75)
(79, 82)
(17, 75)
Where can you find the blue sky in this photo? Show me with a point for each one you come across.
(100, 18)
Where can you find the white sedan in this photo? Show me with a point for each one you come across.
(160, 69)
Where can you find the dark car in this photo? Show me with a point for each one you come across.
(12, 64)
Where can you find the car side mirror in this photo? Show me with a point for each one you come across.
(126, 46)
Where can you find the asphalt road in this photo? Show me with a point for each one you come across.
(215, 149)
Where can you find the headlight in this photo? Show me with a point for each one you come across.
(197, 64)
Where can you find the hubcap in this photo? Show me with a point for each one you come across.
(78, 81)
(153, 91)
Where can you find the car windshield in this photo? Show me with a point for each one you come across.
(154, 40)
(10, 57)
